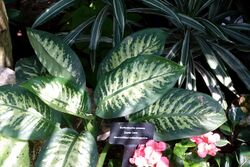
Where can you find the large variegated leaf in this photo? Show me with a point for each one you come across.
(145, 42)
(68, 148)
(14, 153)
(60, 94)
(27, 68)
(25, 116)
(182, 113)
(57, 57)
(135, 84)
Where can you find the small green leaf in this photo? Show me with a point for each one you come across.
(24, 116)
(57, 57)
(60, 94)
(181, 148)
(145, 42)
(14, 153)
(68, 148)
(222, 143)
(181, 114)
(53, 11)
(136, 83)
(27, 68)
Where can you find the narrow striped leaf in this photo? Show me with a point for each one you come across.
(136, 83)
(216, 65)
(163, 8)
(237, 36)
(214, 9)
(119, 12)
(173, 52)
(27, 68)
(181, 114)
(117, 35)
(212, 85)
(86, 38)
(53, 11)
(60, 94)
(215, 30)
(57, 57)
(68, 148)
(96, 34)
(234, 63)
(71, 37)
(204, 6)
(191, 22)
(191, 76)
(145, 42)
(14, 153)
(185, 55)
(239, 26)
(24, 116)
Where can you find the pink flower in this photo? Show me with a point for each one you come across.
(206, 144)
(164, 162)
(150, 154)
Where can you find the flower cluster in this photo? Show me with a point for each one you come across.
(150, 155)
(206, 144)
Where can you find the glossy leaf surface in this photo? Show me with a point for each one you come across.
(60, 94)
(24, 116)
(181, 114)
(144, 42)
(68, 148)
(57, 57)
(136, 83)
(14, 153)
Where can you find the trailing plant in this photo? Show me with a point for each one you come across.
(51, 103)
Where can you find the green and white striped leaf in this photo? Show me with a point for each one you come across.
(216, 65)
(163, 7)
(234, 63)
(239, 26)
(60, 94)
(145, 42)
(135, 84)
(181, 114)
(68, 148)
(172, 53)
(119, 12)
(212, 85)
(27, 68)
(57, 57)
(215, 30)
(52, 11)
(204, 6)
(96, 34)
(14, 153)
(24, 116)
(191, 22)
(185, 55)
(117, 34)
(237, 36)
(73, 34)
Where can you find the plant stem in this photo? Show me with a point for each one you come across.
(102, 156)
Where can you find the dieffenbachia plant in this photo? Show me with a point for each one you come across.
(51, 101)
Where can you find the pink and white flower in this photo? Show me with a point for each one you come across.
(150, 155)
(206, 144)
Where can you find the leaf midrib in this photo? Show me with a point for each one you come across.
(126, 87)
(69, 151)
